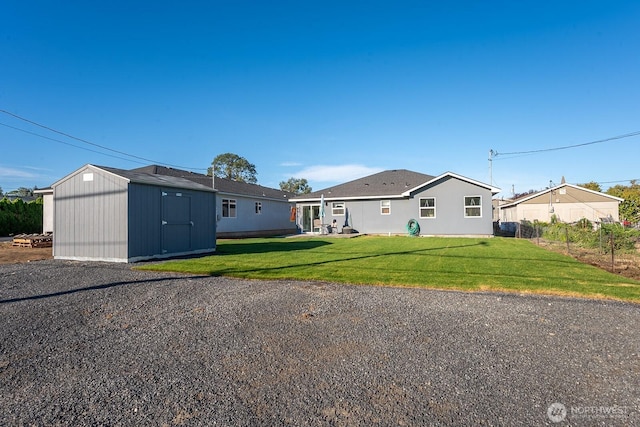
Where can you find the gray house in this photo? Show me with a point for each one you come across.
(107, 214)
(242, 210)
(384, 203)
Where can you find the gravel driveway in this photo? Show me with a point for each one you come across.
(100, 344)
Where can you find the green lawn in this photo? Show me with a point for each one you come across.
(498, 264)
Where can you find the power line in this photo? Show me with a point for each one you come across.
(69, 144)
(627, 135)
(617, 182)
(88, 142)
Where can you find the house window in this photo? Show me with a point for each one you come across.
(428, 207)
(258, 208)
(228, 208)
(472, 206)
(385, 207)
(337, 208)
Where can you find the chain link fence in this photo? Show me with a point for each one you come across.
(606, 245)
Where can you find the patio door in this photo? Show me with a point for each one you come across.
(310, 213)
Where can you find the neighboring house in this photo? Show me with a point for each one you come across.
(108, 214)
(384, 203)
(242, 210)
(25, 199)
(47, 209)
(566, 202)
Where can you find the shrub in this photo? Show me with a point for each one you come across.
(583, 234)
(18, 217)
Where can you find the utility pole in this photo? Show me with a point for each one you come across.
(492, 154)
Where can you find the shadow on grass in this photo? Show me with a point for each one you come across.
(518, 275)
(325, 262)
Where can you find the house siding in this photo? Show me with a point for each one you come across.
(450, 217)
(47, 213)
(365, 215)
(567, 212)
(569, 204)
(274, 219)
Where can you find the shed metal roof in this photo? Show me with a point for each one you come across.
(144, 178)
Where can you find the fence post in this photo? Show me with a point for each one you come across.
(613, 268)
(601, 248)
(566, 233)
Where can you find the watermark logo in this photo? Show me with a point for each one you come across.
(557, 412)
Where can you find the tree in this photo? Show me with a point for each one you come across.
(592, 185)
(630, 208)
(233, 167)
(21, 192)
(296, 185)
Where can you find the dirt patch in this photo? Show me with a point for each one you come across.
(625, 264)
(10, 254)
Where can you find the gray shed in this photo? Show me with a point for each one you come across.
(108, 214)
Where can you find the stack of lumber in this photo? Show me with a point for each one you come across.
(33, 240)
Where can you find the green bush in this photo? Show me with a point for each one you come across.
(624, 239)
(18, 217)
(583, 234)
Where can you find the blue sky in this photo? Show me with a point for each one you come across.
(327, 91)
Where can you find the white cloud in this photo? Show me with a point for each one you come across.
(340, 173)
(16, 173)
(290, 164)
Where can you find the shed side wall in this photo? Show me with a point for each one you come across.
(90, 216)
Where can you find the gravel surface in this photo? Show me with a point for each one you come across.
(100, 344)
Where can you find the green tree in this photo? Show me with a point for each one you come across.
(630, 207)
(21, 192)
(592, 185)
(296, 185)
(233, 167)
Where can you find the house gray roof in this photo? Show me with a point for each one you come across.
(223, 185)
(388, 183)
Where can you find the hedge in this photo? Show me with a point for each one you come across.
(17, 217)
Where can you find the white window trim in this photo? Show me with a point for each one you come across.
(382, 206)
(464, 201)
(333, 208)
(235, 208)
(258, 208)
(434, 208)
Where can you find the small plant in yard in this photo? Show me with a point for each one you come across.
(495, 264)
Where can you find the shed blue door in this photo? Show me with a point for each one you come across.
(176, 222)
